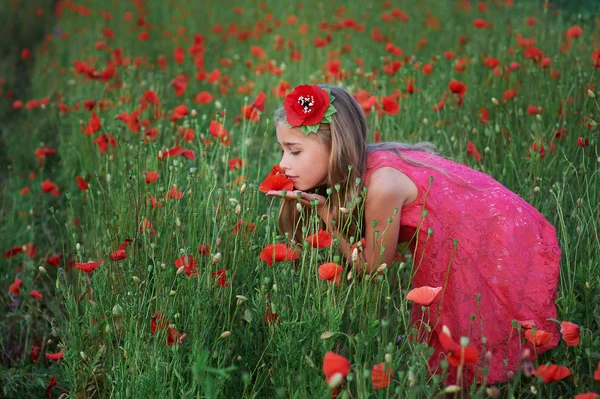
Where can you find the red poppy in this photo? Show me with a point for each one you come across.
(472, 151)
(331, 272)
(51, 384)
(509, 94)
(221, 276)
(55, 357)
(271, 317)
(597, 372)
(204, 249)
(36, 295)
(82, 184)
(104, 141)
(457, 354)
(171, 152)
(390, 105)
(424, 295)
(93, 125)
(574, 31)
(151, 177)
(30, 250)
(189, 265)
(306, 105)
(276, 180)
(583, 142)
(334, 364)
(179, 112)
(53, 260)
(217, 130)
(381, 375)
(539, 338)
(88, 267)
(158, 322)
(587, 395)
(174, 336)
(179, 55)
(457, 87)
(570, 333)
(277, 253)
(175, 193)
(15, 287)
(552, 372)
(49, 187)
(321, 239)
(41, 153)
(204, 97)
(483, 115)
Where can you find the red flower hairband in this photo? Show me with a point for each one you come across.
(308, 106)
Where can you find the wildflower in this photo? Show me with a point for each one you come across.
(189, 264)
(381, 375)
(552, 372)
(277, 253)
(331, 271)
(570, 333)
(276, 180)
(457, 354)
(321, 239)
(88, 267)
(424, 295)
(539, 338)
(55, 357)
(335, 364)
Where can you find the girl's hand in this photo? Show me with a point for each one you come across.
(304, 199)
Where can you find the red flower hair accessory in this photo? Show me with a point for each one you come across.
(307, 106)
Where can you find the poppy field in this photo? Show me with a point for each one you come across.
(141, 257)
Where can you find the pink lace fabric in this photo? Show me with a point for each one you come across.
(507, 253)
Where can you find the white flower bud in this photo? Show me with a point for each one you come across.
(591, 94)
(180, 270)
(335, 380)
(355, 255)
(216, 258)
(495, 101)
(225, 334)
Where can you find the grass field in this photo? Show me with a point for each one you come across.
(130, 144)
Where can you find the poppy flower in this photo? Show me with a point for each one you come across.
(321, 239)
(597, 373)
(587, 395)
(175, 193)
(51, 384)
(331, 272)
(552, 372)
(457, 354)
(13, 251)
(217, 130)
(82, 184)
(570, 333)
(221, 276)
(424, 295)
(204, 249)
(583, 142)
(334, 364)
(539, 338)
(55, 357)
(36, 295)
(53, 260)
(15, 287)
(390, 105)
(49, 187)
(189, 265)
(88, 267)
(306, 105)
(276, 180)
(574, 31)
(472, 151)
(204, 97)
(93, 125)
(271, 317)
(104, 141)
(158, 322)
(381, 375)
(277, 253)
(179, 112)
(151, 177)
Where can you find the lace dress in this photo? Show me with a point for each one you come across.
(507, 253)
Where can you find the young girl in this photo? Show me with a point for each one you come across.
(495, 256)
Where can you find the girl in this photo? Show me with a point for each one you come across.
(495, 256)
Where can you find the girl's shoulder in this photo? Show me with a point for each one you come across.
(389, 179)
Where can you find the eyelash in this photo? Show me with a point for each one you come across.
(294, 153)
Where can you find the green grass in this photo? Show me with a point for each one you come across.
(103, 323)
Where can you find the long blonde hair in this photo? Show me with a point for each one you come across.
(346, 141)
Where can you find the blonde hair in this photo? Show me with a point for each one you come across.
(346, 141)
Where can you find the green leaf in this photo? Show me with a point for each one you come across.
(332, 98)
(310, 128)
(328, 90)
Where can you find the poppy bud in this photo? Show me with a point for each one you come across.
(382, 267)
(388, 358)
(136, 279)
(335, 380)
(42, 270)
(218, 241)
(326, 335)
(225, 334)
(82, 354)
(591, 94)
(216, 258)
(193, 113)
(412, 380)
(344, 210)
(298, 207)
(349, 277)
(495, 101)
(117, 310)
(172, 293)
(355, 255)
(243, 189)
(452, 389)
(180, 270)
(536, 189)
(238, 210)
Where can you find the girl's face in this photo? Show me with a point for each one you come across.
(303, 158)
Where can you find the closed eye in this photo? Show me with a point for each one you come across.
(291, 153)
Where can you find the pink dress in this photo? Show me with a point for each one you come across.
(507, 253)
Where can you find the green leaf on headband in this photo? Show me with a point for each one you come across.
(307, 129)
(330, 111)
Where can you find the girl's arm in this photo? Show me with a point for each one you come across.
(386, 195)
